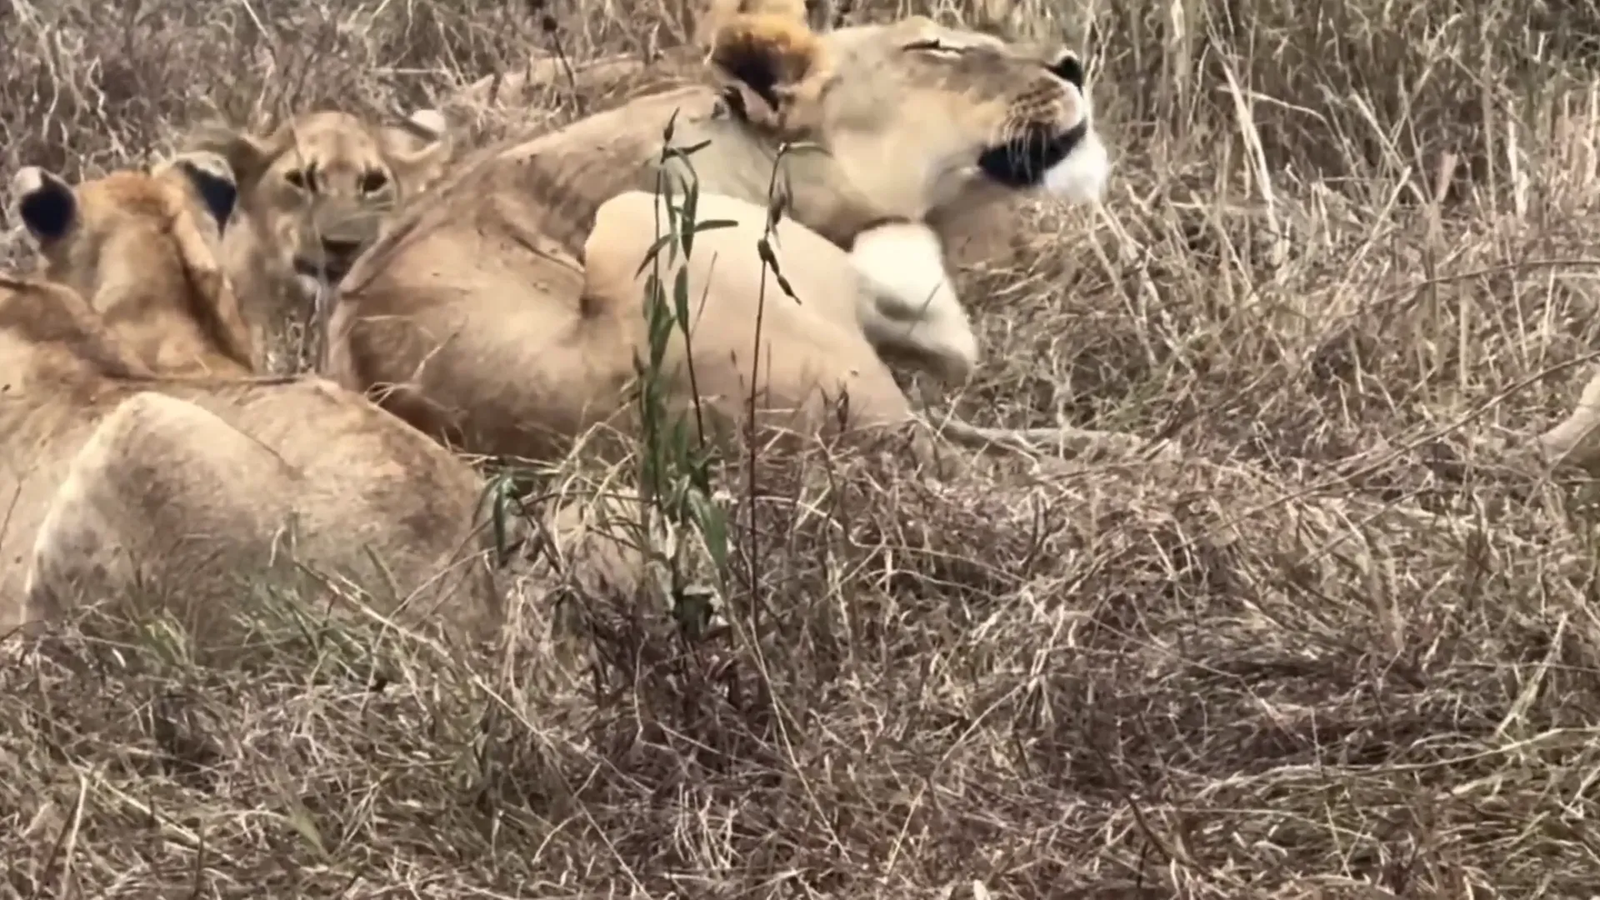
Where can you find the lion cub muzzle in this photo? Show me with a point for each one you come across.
(334, 239)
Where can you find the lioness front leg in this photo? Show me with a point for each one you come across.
(161, 506)
(910, 307)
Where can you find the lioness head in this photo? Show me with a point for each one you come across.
(921, 126)
(313, 195)
(141, 248)
(916, 115)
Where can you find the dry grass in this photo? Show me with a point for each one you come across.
(1345, 650)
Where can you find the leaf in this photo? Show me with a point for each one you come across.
(691, 200)
(680, 296)
(714, 527)
(653, 251)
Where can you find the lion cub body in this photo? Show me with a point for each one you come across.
(164, 473)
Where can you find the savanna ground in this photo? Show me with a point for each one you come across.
(1345, 649)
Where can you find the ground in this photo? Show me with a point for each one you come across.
(1345, 649)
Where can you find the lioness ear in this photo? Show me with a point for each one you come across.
(212, 179)
(45, 203)
(247, 155)
(718, 13)
(774, 56)
(419, 147)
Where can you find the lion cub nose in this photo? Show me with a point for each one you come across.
(340, 254)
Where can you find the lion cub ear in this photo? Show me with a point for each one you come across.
(44, 202)
(248, 155)
(420, 147)
(779, 59)
(211, 178)
(718, 13)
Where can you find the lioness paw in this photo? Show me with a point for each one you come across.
(957, 349)
(909, 301)
(902, 265)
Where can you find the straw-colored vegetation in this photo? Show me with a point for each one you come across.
(1345, 648)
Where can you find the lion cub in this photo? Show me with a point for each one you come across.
(151, 467)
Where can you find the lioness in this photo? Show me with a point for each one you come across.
(504, 315)
(137, 451)
(312, 194)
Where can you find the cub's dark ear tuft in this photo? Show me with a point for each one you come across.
(212, 179)
(44, 203)
(248, 155)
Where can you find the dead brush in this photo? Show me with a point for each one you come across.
(1347, 648)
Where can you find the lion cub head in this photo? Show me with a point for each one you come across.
(312, 195)
(917, 116)
(141, 248)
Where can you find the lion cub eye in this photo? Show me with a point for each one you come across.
(373, 181)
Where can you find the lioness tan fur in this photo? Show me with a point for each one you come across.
(141, 460)
(501, 314)
(1575, 441)
(519, 101)
(313, 193)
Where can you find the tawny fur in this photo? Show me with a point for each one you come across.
(313, 193)
(144, 462)
(502, 315)
(1575, 441)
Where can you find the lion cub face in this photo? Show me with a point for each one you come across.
(313, 194)
(918, 116)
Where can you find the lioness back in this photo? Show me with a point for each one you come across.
(200, 492)
(55, 373)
